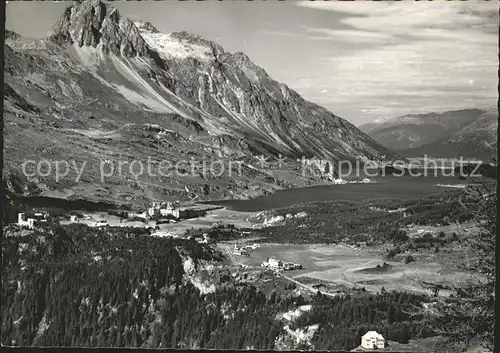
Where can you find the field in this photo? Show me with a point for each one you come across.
(225, 216)
(338, 266)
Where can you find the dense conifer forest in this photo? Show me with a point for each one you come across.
(75, 286)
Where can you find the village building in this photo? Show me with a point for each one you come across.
(203, 240)
(154, 210)
(102, 223)
(272, 263)
(143, 215)
(241, 252)
(372, 340)
(24, 221)
(277, 264)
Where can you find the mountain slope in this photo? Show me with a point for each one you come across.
(476, 140)
(102, 87)
(423, 132)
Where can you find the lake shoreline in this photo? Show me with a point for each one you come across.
(389, 187)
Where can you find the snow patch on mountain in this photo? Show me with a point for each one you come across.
(145, 27)
(170, 47)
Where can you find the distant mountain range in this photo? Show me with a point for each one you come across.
(470, 133)
(104, 87)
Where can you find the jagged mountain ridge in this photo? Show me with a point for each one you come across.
(99, 71)
(221, 72)
(417, 133)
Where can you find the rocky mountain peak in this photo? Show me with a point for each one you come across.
(243, 62)
(93, 23)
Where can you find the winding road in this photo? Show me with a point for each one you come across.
(306, 286)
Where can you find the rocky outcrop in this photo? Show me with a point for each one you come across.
(12, 97)
(93, 23)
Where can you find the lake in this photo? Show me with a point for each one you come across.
(405, 187)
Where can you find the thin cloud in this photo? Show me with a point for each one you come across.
(351, 35)
(417, 57)
(273, 32)
(294, 35)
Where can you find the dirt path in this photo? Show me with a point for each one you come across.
(232, 257)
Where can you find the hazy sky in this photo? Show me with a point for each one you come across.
(361, 60)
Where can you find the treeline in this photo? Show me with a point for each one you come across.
(81, 286)
(425, 241)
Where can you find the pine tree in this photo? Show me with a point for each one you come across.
(391, 313)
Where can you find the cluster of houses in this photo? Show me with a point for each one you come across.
(244, 250)
(89, 221)
(167, 210)
(275, 264)
(158, 210)
(38, 219)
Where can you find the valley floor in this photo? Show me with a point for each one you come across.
(337, 268)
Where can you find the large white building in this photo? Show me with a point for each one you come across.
(24, 221)
(372, 340)
(275, 264)
(272, 263)
(164, 209)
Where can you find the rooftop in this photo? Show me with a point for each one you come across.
(373, 334)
